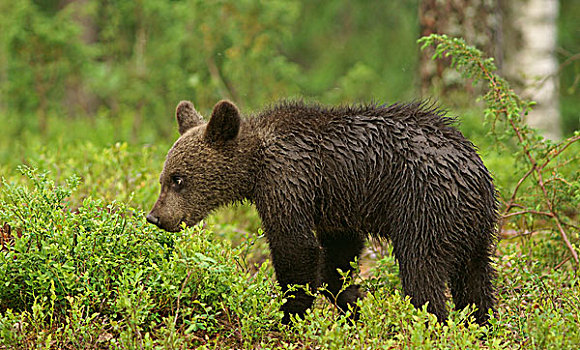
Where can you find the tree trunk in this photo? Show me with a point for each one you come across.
(531, 61)
(477, 21)
(519, 34)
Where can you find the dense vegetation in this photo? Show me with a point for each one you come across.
(79, 266)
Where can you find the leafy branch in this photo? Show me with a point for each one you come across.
(550, 191)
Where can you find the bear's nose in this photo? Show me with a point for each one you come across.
(152, 219)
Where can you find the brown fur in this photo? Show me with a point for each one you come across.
(323, 179)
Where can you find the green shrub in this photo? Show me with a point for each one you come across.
(99, 267)
(546, 195)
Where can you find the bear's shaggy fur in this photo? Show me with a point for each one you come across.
(323, 179)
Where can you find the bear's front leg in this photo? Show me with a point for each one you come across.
(296, 259)
(340, 249)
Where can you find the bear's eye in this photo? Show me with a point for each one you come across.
(177, 181)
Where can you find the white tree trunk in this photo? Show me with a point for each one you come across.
(533, 62)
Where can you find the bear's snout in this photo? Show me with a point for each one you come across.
(152, 219)
(161, 221)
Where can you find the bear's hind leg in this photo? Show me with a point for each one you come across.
(423, 279)
(471, 283)
(339, 249)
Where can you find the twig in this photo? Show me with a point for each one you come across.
(562, 263)
(551, 155)
(226, 89)
(514, 194)
(567, 241)
(508, 235)
(179, 296)
(528, 212)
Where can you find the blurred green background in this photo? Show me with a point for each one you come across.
(109, 71)
(115, 70)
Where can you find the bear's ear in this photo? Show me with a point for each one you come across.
(187, 116)
(224, 123)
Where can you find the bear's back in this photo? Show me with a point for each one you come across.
(366, 166)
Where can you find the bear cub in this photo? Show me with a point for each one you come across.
(323, 179)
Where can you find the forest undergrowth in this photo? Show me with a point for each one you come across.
(81, 269)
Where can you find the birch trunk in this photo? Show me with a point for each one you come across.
(532, 63)
(519, 34)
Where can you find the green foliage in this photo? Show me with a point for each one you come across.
(538, 301)
(548, 185)
(60, 60)
(100, 268)
(137, 59)
(143, 56)
(116, 173)
(355, 51)
(208, 51)
(78, 272)
(569, 58)
(44, 52)
(80, 268)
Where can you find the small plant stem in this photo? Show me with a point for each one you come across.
(505, 216)
(179, 297)
(560, 148)
(511, 202)
(562, 263)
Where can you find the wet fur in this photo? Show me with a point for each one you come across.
(325, 178)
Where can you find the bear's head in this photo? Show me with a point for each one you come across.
(202, 170)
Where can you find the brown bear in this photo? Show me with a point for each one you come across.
(323, 179)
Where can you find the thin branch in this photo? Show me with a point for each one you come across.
(551, 155)
(535, 212)
(562, 263)
(511, 204)
(179, 296)
(512, 234)
(566, 240)
(226, 89)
